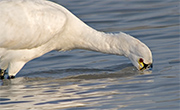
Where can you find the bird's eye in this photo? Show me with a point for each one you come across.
(140, 60)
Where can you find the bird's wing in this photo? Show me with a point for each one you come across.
(26, 25)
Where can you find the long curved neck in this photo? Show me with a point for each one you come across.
(80, 36)
(105, 43)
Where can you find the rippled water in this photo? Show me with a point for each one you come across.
(82, 79)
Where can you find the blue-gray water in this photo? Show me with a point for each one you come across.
(80, 80)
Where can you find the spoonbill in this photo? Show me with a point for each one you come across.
(31, 28)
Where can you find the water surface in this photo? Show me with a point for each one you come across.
(81, 79)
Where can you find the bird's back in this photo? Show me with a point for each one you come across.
(27, 24)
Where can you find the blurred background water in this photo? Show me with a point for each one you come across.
(81, 79)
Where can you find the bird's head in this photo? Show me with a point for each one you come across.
(140, 55)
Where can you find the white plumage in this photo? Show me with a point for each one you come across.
(31, 28)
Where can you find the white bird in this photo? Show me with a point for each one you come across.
(31, 28)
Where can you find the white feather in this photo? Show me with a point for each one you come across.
(31, 28)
